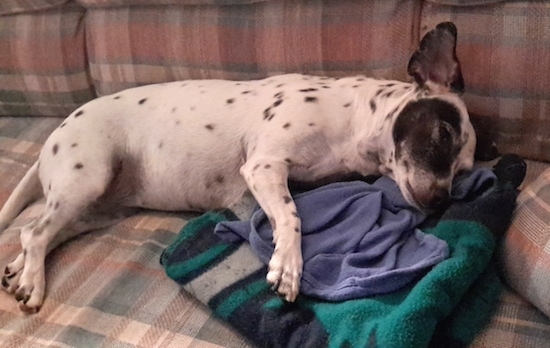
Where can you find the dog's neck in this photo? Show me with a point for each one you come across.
(376, 109)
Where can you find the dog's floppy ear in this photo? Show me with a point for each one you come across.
(434, 65)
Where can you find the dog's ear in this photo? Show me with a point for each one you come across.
(435, 65)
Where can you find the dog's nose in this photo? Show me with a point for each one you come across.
(433, 199)
(439, 199)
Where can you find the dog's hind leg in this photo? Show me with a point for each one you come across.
(28, 190)
(67, 202)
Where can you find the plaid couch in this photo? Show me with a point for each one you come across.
(107, 288)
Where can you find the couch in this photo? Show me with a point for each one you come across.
(107, 288)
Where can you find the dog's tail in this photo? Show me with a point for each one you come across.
(28, 190)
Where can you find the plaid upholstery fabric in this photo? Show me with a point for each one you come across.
(20, 6)
(526, 252)
(138, 45)
(515, 323)
(43, 62)
(113, 3)
(503, 50)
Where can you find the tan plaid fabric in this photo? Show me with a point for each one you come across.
(21, 6)
(526, 251)
(139, 45)
(43, 62)
(113, 3)
(504, 49)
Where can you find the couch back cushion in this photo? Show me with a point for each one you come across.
(138, 45)
(43, 68)
(10, 7)
(504, 50)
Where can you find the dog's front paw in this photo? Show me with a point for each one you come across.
(285, 272)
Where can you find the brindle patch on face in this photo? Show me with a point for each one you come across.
(428, 131)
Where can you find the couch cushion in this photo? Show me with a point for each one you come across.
(504, 50)
(114, 3)
(8, 7)
(526, 249)
(139, 45)
(43, 68)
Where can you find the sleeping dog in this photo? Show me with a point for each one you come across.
(199, 145)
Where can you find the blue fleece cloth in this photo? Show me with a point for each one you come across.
(358, 239)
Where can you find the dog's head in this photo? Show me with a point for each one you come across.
(432, 135)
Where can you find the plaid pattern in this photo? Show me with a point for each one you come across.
(22, 6)
(107, 288)
(503, 50)
(114, 3)
(43, 63)
(138, 45)
(526, 252)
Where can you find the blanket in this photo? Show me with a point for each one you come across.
(446, 307)
(358, 239)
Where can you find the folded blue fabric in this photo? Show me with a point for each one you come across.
(358, 239)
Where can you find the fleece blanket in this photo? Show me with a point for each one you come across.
(445, 307)
(358, 239)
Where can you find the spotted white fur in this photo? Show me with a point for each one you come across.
(199, 145)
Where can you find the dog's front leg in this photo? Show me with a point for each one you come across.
(268, 182)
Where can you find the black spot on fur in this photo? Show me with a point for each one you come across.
(174, 110)
(390, 85)
(210, 127)
(55, 149)
(372, 105)
(277, 103)
(63, 125)
(280, 85)
(220, 179)
(245, 92)
(310, 99)
(326, 87)
(379, 92)
(78, 166)
(286, 126)
(267, 112)
(360, 79)
(117, 97)
(389, 94)
(142, 101)
(271, 117)
(347, 105)
(273, 223)
(288, 160)
(311, 124)
(256, 167)
(296, 229)
(305, 90)
(295, 214)
(80, 113)
(279, 95)
(267, 166)
(230, 101)
(56, 206)
(74, 145)
(287, 199)
(355, 86)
